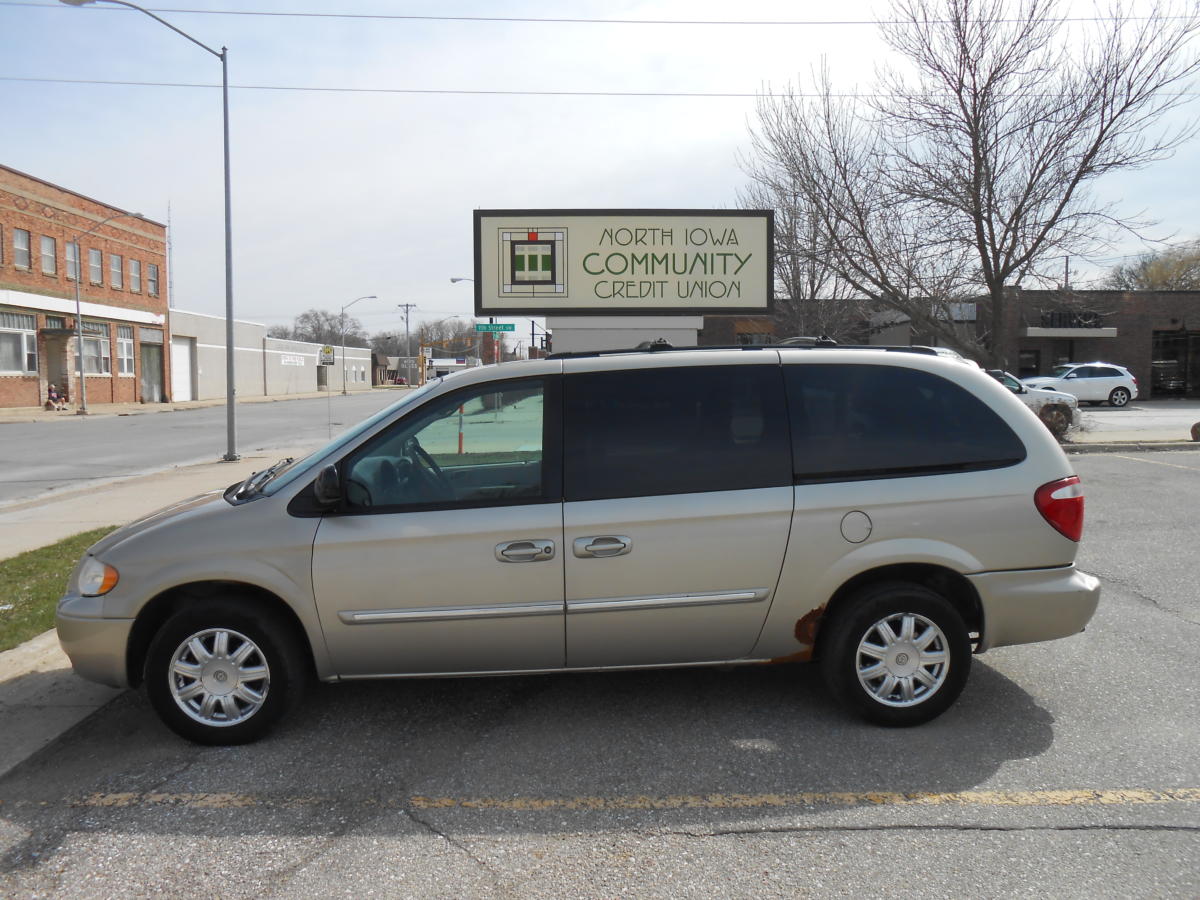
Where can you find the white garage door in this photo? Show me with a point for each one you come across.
(183, 354)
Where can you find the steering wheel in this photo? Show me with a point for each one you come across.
(434, 469)
(419, 473)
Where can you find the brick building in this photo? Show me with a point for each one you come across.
(49, 237)
(1154, 334)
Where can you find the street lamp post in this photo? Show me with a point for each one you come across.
(231, 454)
(83, 410)
(343, 318)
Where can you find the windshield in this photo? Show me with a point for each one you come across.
(1060, 371)
(288, 473)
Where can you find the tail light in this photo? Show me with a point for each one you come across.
(1061, 504)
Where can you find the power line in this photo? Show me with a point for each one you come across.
(361, 90)
(558, 20)
(458, 91)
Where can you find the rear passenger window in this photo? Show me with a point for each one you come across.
(647, 432)
(852, 422)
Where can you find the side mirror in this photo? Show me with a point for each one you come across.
(327, 489)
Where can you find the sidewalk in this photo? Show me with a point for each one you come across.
(13, 415)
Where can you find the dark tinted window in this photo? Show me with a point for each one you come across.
(1106, 372)
(851, 422)
(674, 431)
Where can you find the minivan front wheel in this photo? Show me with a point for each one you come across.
(221, 673)
(897, 653)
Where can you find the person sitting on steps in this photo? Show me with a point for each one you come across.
(55, 399)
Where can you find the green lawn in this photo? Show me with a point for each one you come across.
(30, 585)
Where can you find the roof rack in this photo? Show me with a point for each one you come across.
(662, 346)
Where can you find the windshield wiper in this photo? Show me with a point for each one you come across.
(254, 484)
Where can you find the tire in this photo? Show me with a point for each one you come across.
(857, 666)
(1119, 397)
(1056, 419)
(248, 671)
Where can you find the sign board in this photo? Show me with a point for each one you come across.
(489, 326)
(326, 356)
(623, 262)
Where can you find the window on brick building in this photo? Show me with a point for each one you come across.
(135, 276)
(95, 267)
(97, 354)
(49, 256)
(125, 349)
(21, 255)
(18, 343)
(115, 270)
(152, 279)
(72, 261)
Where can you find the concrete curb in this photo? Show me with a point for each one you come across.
(1128, 446)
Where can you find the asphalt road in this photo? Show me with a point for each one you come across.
(40, 457)
(1066, 769)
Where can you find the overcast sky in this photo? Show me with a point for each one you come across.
(370, 189)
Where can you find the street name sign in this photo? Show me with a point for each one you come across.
(494, 326)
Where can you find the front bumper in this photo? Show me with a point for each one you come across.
(1024, 607)
(96, 646)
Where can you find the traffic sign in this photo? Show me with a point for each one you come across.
(494, 326)
(326, 356)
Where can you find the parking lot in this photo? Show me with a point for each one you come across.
(1066, 769)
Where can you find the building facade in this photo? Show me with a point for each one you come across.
(264, 366)
(53, 243)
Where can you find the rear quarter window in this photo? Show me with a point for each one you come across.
(852, 422)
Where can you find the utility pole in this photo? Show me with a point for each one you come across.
(407, 307)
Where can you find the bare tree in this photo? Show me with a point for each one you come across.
(972, 167)
(319, 326)
(1175, 269)
(810, 297)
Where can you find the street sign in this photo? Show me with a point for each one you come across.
(489, 326)
(326, 357)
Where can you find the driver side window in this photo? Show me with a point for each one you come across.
(478, 447)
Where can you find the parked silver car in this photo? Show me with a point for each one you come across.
(884, 512)
(1059, 411)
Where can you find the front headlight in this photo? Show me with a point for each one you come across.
(96, 578)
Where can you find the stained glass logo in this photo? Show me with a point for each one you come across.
(533, 261)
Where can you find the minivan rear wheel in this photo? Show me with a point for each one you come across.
(897, 653)
(223, 673)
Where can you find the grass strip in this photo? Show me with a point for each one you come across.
(32, 583)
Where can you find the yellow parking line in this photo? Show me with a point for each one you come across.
(1156, 462)
(1109, 797)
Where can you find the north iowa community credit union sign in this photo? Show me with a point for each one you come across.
(592, 262)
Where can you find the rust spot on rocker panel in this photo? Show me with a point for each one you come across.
(806, 633)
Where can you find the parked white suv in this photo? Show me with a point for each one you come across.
(884, 512)
(1095, 382)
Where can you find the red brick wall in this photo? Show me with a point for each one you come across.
(46, 209)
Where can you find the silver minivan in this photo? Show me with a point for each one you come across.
(883, 512)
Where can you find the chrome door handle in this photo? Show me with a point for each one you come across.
(524, 551)
(602, 546)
